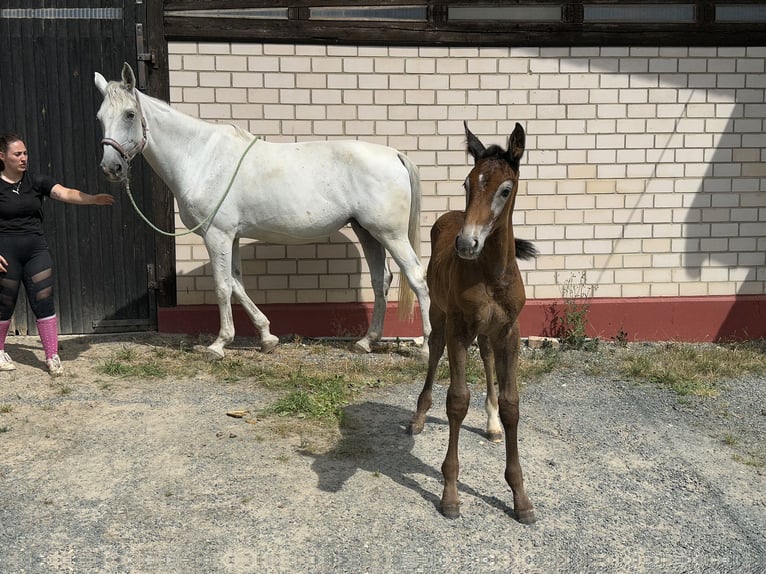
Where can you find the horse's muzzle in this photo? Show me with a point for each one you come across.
(467, 246)
(113, 165)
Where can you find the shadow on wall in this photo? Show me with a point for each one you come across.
(724, 238)
(710, 214)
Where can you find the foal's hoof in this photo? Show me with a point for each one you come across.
(210, 353)
(269, 344)
(451, 511)
(495, 436)
(526, 516)
(416, 428)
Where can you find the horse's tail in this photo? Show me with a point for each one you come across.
(406, 296)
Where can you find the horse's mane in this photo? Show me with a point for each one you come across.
(117, 94)
(120, 97)
(242, 132)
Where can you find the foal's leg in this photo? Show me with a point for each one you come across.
(458, 397)
(380, 277)
(506, 361)
(436, 349)
(268, 341)
(494, 430)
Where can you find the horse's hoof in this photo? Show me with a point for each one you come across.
(495, 436)
(362, 346)
(416, 428)
(451, 511)
(210, 353)
(526, 516)
(269, 344)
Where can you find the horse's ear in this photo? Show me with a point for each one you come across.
(475, 147)
(100, 83)
(128, 77)
(516, 143)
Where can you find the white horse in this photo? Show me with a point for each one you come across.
(283, 193)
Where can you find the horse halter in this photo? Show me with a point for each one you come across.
(129, 155)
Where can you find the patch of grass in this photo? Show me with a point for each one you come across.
(569, 324)
(541, 362)
(730, 439)
(749, 460)
(143, 368)
(4, 409)
(691, 369)
(4, 429)
(313, 397)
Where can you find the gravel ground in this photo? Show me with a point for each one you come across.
(152, 476)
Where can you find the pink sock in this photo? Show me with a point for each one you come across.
(49, 335)
(4, 326)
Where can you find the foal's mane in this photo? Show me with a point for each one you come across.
(499, 153)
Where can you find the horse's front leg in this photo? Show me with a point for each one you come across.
(219, 249)
(261, 323)
(436, 349)
(458, 397)
(494, 430)
(506, 349)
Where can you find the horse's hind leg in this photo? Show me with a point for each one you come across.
(268, 341)
(436, 349)
(506, 361)
(411, 268)
(380, 277)
(494, 430)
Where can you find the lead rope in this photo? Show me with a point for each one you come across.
(212, 213)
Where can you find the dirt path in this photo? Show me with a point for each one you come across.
(99, 475)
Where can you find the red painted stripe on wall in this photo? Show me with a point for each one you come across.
(690, 319)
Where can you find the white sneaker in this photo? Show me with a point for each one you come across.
(6, 363)
(54, 366)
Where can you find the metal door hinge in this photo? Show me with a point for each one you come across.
(145, 57)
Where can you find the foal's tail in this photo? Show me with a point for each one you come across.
(525, 249)
(406, 298)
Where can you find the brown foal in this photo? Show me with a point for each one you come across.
(476, 291)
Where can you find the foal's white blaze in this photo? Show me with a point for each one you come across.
(471, 239)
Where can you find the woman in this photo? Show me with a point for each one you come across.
(24, 254)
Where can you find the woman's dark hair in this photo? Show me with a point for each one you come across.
(5, 141)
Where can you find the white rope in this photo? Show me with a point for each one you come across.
(206, 219)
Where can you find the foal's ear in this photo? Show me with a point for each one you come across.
(516, 143)
(475, 147)
(100, 83)
(128, 77)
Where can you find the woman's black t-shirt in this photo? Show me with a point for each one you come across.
(21, 209)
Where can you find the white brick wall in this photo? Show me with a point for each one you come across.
(644, 166)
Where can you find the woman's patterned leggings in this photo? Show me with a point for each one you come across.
(30, 263)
